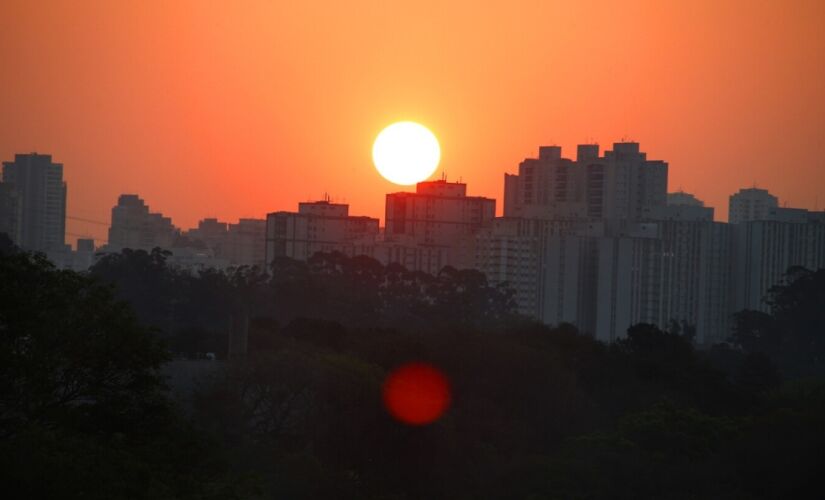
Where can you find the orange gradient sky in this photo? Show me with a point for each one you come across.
(236, 109)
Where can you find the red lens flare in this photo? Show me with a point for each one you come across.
(416, 393)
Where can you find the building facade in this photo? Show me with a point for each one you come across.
(319, 226)
(619, 187)
(41, 192)
(750, 204)
(764, 250)
(436, 226)
(135, 227)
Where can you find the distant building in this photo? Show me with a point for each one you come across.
(681, 198)
(241, 244)
(84, 255)
(545, 187)
(135, 227)
(763, 250)
(38, 183)
(619, 187)
(532, 257)
(631, 287)
(633, 254)
(623, 184)
(319, 226)
(433, 227)
(212, 232)
(507, 252)
(568, 278)
(699, 276)
(245, 243)
(193, 258)
(750, 204)
(785, 214)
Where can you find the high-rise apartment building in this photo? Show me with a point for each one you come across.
(38, 183)
(763, 250)
(650, 257)
(681, 198)
(245, 243)
(212, 233)
(568, 277)
(539, 260)
(319, 226)
(435, 226)
(545, 187)
(631, 281)
(619, 187)
(751, 204)
(624, 184)
(699, 274)
(507, 252)
(84, 255)
(135, 227)
(240, 244)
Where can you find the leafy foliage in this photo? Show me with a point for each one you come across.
(792, 334)
(192, 310)
(537, 412)
(83, 410)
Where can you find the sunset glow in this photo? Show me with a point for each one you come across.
(253, 112)
(427, 249)
(406, 153)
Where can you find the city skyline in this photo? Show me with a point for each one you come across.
(96, 226)
(207, 111)
(79, 225)
(412, 249)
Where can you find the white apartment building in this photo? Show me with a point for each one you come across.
(763, 250)
(750, 204)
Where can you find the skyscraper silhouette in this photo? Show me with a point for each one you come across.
(39, 185)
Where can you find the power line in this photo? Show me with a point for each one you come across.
(90, 221)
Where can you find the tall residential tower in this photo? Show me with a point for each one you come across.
(41, 192)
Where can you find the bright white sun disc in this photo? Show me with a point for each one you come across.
(406, 153)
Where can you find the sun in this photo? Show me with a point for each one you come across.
(406, 153)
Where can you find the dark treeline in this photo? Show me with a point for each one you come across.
(193, 310)
(538, 412)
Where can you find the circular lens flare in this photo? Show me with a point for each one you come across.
(406, 153)
(416, 393)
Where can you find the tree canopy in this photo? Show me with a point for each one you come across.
(537, 411)
(83, 407)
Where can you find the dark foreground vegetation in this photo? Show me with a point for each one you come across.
(538, 412)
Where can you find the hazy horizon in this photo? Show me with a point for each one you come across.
(234, 111)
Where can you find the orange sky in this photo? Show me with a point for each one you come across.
(235, 109)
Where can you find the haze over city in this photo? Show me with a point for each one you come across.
(378, 250)
(238, 110)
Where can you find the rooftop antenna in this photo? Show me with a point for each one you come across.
(444, 175)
